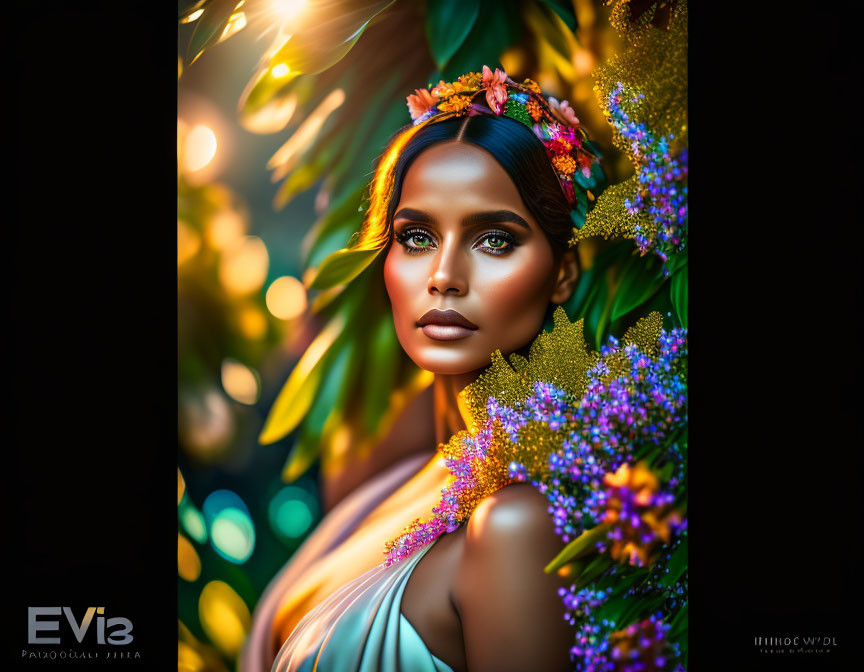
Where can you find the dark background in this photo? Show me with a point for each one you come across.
(775, 296)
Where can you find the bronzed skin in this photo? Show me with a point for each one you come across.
(479, 598)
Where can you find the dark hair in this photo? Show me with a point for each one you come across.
(518, 151)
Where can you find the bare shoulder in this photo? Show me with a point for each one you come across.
(509, 607)
(517, 513)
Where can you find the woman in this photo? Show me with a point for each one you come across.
(471, 213)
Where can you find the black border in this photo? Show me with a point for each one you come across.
(91, 262)
(775, 290)
(775, 295)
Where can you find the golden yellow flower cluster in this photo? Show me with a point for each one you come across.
(654, 64)
(454, 104)
(531, 85)
(564, 163)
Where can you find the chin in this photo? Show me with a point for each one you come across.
(448, 360)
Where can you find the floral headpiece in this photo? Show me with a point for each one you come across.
(573, 158)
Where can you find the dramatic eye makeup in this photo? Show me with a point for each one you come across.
(416, 240)
(495, 241)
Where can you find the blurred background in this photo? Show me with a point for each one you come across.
(283, 108)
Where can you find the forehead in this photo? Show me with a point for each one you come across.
(459, 175)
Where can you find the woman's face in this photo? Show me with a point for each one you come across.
(469, 270)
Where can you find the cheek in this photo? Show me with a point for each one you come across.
(404, 280)
(515, 292)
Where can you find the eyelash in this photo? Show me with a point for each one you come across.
(403, 237)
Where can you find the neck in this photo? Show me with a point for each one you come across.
(449, 418)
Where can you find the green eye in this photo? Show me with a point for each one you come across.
(420, 240)
(495, 243)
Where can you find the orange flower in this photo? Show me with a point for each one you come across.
(445, 89)
(454, 104)
(420, 102)
(496, 89)
(533, 108)
(642, 518)
(564, 164)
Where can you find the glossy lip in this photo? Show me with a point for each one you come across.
(446, 325)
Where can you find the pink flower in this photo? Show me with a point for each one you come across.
(496, 91)
(563, 112)
(420, 102)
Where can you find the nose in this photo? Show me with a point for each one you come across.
(448, 274)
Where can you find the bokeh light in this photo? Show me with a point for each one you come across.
(224, 617)
(199, 148)
(192, 521)
(286, 298)
(244, 266)
(280, 70)
(253, 323)
(188, 562)
(188, 242)
(207, 423)
(224, 229)
(292, 512)
(240, 382)
(188, 659)
(181, 486)
(232, 533)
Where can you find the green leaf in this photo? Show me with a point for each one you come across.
(597, 566)
(497, 28)
(383, 352)
(677, 564)
(582, 545)
(375, 110)
(299, 180)
(678, 293)
(678, 625)
(595, 310)
(619, 583)
(614, 608)
(328, 397)
(641, 277)
(325, 35)
(550, 29)
(448, 23)
(563, 10)
(302, 456)
(298, 394)
(209, 27)
(333, 230)
(676, 261)
(342, 267)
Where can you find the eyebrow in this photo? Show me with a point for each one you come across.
(472, 219)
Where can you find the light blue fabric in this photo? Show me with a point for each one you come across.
(360, 628)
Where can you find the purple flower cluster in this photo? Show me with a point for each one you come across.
(662, 192)
(616, 417)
